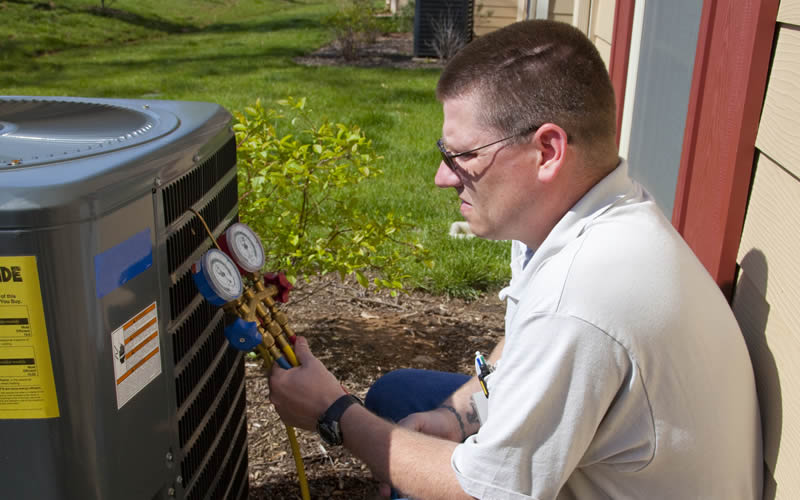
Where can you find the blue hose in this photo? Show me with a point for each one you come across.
(283, 363)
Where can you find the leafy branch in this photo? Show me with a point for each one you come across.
(299, 177)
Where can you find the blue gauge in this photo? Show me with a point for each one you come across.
(217, 277)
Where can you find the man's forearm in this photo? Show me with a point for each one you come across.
(416, 464)
(460, 402)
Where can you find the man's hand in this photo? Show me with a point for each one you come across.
(301, 395)
(441, 422)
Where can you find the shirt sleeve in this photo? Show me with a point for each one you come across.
(558, 379)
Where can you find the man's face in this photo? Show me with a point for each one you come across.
(496, 185)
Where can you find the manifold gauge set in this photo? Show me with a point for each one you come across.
(230, 276)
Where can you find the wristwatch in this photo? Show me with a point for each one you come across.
(328, 424)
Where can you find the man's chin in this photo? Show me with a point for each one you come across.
(478, 231)
(485, 233)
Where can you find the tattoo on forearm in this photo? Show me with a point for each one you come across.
(460, 422)
(472, 416)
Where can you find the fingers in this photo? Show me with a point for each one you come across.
(302, 351)
(414, 422)
(303, 393)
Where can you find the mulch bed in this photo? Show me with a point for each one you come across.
(359, 335)
(390, 50)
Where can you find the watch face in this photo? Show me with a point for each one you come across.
(330, 433)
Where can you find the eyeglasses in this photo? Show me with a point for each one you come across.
(447, 156)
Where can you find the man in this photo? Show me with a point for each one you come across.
(622, 374)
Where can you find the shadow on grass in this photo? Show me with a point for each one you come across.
(20, 48)
(173, 72)
(155, 23)
(291, 23)
(159, 24)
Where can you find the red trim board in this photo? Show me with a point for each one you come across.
(730, 74)
(620, 53)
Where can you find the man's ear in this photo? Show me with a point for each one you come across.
(551, 141)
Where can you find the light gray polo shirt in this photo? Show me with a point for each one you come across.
(624, 374)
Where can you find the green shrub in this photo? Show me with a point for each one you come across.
(354, 26)
(297, 180)
(401, 22)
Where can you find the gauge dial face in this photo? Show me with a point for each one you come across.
(223, 276)
(246, 248)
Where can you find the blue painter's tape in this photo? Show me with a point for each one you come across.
(120, 264)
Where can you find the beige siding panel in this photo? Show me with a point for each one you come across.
(560, 7)
(766, 305)
(483, 6)
(772, 226)
(603, 19)
(605, 50)
(563, 18)
(493, 23)
(560, 10)
(774, 350)
(779, 131)
(500, 12)
(492, 15)
(789, 11)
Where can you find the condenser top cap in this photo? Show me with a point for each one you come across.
(73, 159)
(36, 131)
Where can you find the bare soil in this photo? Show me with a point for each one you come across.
(360, 336)
(390, 50)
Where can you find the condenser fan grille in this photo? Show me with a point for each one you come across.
(34, 132)
(209, 375)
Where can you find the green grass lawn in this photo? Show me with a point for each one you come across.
(232, 52)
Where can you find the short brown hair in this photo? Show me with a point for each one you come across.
(535, 72)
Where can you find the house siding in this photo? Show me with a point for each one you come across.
(767, 292)
(491, 15)
(560, 10)
(601, 29)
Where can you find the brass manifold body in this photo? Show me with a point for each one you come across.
(257, 304)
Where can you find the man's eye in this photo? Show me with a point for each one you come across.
(467, 156)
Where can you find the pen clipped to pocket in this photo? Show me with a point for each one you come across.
(482, 369)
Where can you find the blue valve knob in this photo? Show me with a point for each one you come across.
(243, 335)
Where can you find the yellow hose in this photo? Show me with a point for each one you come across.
(298, 463)
(287, 350)
(298, 458)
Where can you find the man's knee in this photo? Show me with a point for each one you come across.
(388, 393)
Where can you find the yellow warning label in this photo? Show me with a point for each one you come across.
(27, 389)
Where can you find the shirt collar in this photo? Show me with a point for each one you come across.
(612, 190)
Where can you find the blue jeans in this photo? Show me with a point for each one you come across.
(402, 392)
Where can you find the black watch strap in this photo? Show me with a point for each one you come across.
(328, 424)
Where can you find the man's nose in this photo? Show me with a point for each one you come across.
(446, 178)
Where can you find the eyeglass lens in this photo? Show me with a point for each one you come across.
(446, 156)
